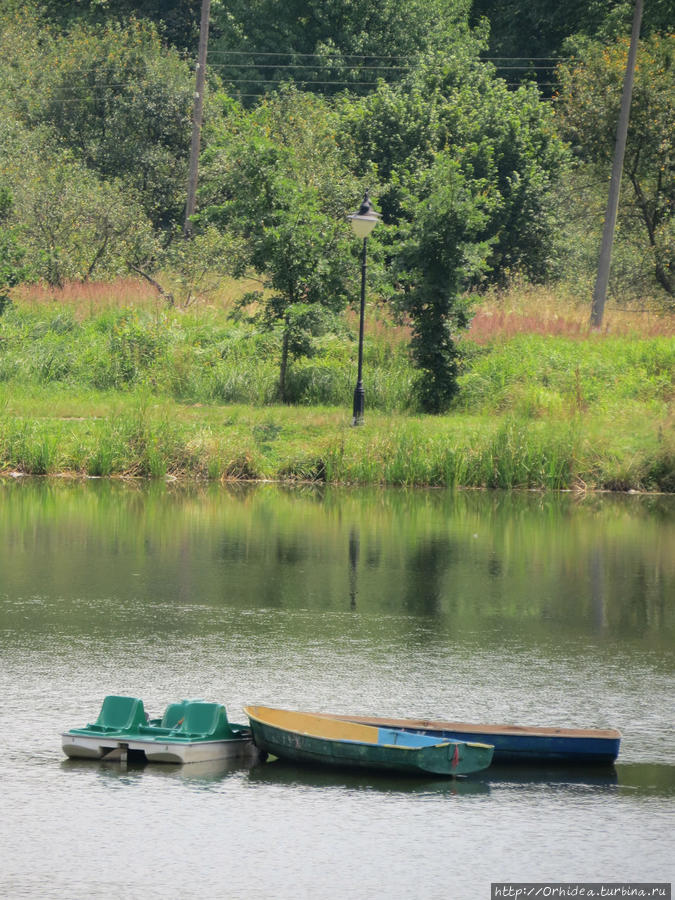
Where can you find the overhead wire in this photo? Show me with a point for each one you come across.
(264, 83)
(356, 56)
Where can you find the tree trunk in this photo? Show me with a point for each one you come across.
(99, 253)
(650, 220)
(284, 366)
(170, 302)
(662, 277)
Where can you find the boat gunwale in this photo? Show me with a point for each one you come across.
(445, 742)
(474, 728)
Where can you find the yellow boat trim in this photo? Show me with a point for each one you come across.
(313, 726)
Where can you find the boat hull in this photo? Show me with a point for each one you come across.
(109, 748)
(353, 748)
(514, 743)
(189, 731)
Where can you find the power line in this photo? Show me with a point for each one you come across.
(220, 66)
(532, 58)
(323, 58)
(284, 81)
(293, 53)
(326, 64)
(82, 101)
(329, 63)
(354, 56)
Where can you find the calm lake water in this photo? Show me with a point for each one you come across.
(503, 608)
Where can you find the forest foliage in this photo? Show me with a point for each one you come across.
(480, 177)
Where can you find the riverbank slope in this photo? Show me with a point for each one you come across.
(150, 392)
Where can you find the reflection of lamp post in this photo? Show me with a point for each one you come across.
(363, 223)
(354, 547)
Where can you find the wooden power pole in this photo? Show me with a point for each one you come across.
(602, 279)
(197, 112)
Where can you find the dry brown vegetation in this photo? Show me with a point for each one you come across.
(528, 309)
(523, 309)
(89, 298)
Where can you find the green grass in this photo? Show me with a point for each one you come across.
(192, 357)
(155, 394)
(142, 438)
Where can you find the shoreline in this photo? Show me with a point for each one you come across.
(184, 479)
(306, 445)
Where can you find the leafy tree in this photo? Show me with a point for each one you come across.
(274, 179)
(176, 20)
(466, 170)
(72, 224)
(539, 28)
(441, 249)
(327, 45)
(194, 266)
(505, 139)
(121, 102)
(12, 267)
(588, 107)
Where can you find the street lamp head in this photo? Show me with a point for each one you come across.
(365, 219)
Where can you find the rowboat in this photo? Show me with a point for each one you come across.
(514, 743)
(189, 731)
(322, 740)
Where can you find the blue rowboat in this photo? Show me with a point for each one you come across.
(321, 740)
(515, 743)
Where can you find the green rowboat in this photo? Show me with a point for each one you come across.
(321, 740)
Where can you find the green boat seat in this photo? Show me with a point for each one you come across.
(119, 714)
(204, 721)
(170, 722)
(174, 714)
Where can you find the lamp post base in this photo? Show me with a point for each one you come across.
(359, 404)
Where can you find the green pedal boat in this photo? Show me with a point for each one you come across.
(321, 740)
(189, 731)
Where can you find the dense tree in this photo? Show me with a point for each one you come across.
(274, 179)
(505, 139)
(588, 106)
(69, 223)
(116, 98)
(531, 29)
(329, 45)
(12, 253)
(177, 20)
(77, 227)
(441, 248)
(95, 109)
(466, 169)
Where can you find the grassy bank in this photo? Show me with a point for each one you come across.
(105, 436)
(140, 391)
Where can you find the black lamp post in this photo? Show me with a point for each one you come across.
(363, 223)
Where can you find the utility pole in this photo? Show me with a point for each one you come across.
(197, 111)
(600, 291)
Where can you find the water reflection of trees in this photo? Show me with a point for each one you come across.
(426, 568)
(545, 565)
